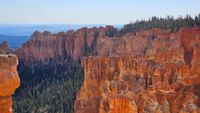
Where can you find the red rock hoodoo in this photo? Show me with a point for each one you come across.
(9, 81)
(137, 85)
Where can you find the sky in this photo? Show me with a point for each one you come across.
(110, 12)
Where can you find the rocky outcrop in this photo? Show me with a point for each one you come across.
(136, 85)
(4, 48)
(9, 81)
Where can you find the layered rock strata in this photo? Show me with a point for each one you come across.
(155, 44)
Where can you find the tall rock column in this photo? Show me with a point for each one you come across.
(9, 81)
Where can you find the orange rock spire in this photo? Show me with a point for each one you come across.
(9, 81)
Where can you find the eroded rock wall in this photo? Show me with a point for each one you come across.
(44, 47)
(155, 44)
(151, 71)
(154, 71)
(137, 85)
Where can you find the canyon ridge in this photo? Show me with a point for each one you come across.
(150, 71)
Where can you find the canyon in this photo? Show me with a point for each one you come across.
(150, 71)
(159, 74)
(9, 81)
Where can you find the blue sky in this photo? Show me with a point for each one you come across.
(91, 11)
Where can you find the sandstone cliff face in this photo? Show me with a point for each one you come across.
(136, 85)
(45, 46)
(154, 44)
(9, 81)
(156, 72)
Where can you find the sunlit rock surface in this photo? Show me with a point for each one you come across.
(152, 71)
(132, 85)
(9, 81)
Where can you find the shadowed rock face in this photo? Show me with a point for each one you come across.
(9, 81)
(137, 85)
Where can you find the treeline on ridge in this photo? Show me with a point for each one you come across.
(155, 22)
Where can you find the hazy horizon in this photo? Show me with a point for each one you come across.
(106, 12)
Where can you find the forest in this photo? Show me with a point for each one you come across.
(48, 89)
(171, 23)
